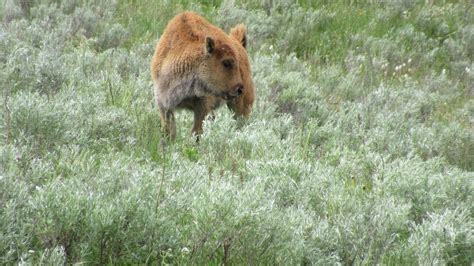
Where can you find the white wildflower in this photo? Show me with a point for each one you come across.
(185, 250)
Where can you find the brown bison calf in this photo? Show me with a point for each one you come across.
(197, 66)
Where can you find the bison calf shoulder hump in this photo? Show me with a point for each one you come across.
(197, 66)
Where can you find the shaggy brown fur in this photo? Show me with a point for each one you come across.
(197, 66)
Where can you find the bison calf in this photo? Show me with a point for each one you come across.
(197, 66)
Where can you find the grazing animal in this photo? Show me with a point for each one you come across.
(197, 66)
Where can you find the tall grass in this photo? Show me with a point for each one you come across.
(359, 149)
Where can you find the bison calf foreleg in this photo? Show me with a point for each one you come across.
(200, 112)
(168, 123)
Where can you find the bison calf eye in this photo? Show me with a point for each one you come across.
(228, 64)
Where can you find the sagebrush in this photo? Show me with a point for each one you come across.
(359, 149)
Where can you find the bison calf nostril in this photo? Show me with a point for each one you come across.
(240, 89)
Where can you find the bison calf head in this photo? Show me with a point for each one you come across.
(220, 70)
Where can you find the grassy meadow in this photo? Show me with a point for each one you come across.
(359, 150)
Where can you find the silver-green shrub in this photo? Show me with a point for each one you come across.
(359, 149)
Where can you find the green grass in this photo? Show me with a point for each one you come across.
(359, 149)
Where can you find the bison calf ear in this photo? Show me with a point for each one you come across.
(210, 46)
(239, 32)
